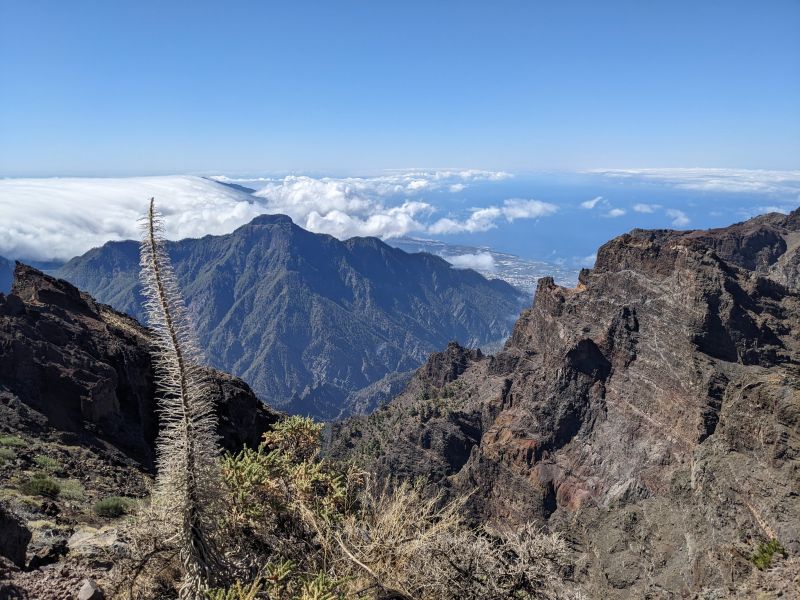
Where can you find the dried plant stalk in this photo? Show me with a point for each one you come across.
(187, 451)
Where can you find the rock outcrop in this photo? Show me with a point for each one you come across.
(651, 414)
(77, 366)
(15, 538)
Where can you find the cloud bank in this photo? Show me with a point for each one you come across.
(358, 206)
(773, 183)
(59, 218)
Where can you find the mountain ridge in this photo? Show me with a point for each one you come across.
(308, 320)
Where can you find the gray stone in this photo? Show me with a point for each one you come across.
(90, 591)
(91, 543)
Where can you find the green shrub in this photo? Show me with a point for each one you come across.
(71, 489)
(50, 465)
(12, 441)
(237, 592)
(762, 558)
(7, 454)
(41, 486)
(112, 507)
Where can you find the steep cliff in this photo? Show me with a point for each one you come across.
(652, 413)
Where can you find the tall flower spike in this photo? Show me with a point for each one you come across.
(186, 451)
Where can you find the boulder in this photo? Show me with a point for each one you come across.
(90, 591)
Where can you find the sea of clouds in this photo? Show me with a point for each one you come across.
(756, 181)
(58, 218)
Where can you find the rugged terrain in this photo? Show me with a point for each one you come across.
(315, 325)
(651, 414)
(77, 429)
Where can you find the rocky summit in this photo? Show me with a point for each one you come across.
(315, 325)
(651, 414)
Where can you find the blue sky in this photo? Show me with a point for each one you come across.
(123, 88)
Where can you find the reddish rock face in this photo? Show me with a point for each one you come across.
(84, 368)
(652, 413)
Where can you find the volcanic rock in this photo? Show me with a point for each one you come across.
(651, 414)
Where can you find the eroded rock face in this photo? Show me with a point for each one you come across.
(652, 413)
(85, 368)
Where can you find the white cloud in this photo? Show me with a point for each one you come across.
(481, 219)
(359, 206)
(457, 187)
(484, 219)
(347, 207)
(518, 208)
(480, 261)
(615, 212)
(590, 204)
(679, 218)
(388, 223)
(775, 183)
(646, 208)
(418, 184)
(60, 218)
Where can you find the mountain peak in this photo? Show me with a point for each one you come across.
(310, 321)
(271, 220)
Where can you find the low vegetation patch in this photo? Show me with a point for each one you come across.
(762, 557)
(112, 507)
(7, 455)
(72, 489)
(41, 486)
(12, 441)
(309, 529)
(49, 464)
